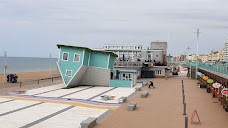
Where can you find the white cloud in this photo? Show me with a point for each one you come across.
(98, 22)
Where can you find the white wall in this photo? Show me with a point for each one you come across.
(159, 45)
(96, 76)
(78, 76)
(158, 56)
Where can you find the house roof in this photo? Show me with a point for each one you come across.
(85, 48)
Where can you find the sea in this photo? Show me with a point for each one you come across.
(27, 64)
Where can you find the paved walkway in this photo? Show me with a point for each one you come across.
(53, 106)
(163, 108)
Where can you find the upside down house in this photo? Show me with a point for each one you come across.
(84, 66)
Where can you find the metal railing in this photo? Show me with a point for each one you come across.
(217, 67)
(43, 81)
(137, 64)
(126, 64)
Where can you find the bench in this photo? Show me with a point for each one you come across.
(88, 123)
(122, 99)
(144, 94)
(132, 106)
(137, 88)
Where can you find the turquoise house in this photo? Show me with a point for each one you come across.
(83, 66)
(126, 78)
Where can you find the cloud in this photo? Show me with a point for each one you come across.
(98, 22)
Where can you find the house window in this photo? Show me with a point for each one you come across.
(123, 76)
(158, 72)
(68, 72)
(76, 57)
(130, 78)
(65, 56)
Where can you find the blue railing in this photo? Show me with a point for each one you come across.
(216, 67)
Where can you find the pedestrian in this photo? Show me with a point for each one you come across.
(151, 84)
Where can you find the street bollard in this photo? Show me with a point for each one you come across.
(183, 99)
(38, 82)
(20, 84)
(186, 121)
(184, 113)
(52, 79)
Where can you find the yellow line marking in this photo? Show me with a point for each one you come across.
(67, 103)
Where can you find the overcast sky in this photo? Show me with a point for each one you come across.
(32, 28)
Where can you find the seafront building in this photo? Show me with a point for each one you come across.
(150, 62)
(226, 50)
(135, 54)
(213, 56)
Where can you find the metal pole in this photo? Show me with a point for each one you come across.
(5, 66)
(186, 121)
(184, 113)
(197, 51)
(50, 65)
(183, 99)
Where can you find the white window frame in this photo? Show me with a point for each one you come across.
(70, 74)
(67, 56)
(158, 72)
(78, 55)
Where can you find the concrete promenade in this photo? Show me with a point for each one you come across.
(52, 106)
(163, 108)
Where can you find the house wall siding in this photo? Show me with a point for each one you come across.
(120, 83)
(98, 60)
(96, 76)
(86, 57)
(70, 64)
(111, 62)
(75, 81)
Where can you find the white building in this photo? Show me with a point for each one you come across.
(125, 52)
(148, 62)
(132, 53)
(226, 50)
(159, 51)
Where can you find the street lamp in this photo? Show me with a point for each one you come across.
(5, 66)
(197, 50)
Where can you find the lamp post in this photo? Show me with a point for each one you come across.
(188, 53)
(197, 50)
(50, 65)
(5, 66)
